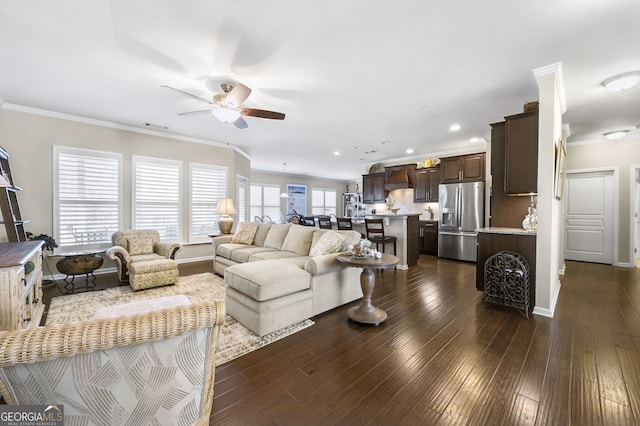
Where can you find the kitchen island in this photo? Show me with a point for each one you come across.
(406, 229)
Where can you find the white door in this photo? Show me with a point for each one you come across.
(589, 217)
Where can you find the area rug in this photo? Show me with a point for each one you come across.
(235, 339)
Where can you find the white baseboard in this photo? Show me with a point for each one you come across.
(548, 312)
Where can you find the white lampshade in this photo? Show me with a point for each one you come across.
(284, 195)
(226, 115)
(225, 208)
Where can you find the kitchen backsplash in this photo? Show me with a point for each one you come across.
(404, 201)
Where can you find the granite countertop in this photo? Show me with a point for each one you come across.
(392, 215)
(511, 231)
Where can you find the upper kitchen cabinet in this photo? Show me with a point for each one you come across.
(425, 187)
(463, 168)
(373, 188)
(521, 153)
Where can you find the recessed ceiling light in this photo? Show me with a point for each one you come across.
(409, 151)
(336, 152)
(357, 147)
(622, 81)
(385, 142)
(455, 127)
(616, 134)
(474, 140)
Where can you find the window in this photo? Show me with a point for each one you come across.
(155, 191)
(323, 201)
(265, 201)
(243, 184)
(87, 197)
(208, 184)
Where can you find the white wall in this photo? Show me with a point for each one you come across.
(550, 231)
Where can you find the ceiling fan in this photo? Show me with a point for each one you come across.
(227, 106)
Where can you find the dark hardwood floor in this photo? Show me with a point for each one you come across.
(444, 357)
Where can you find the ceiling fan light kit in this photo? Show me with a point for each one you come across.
(621, 82)
(227, 106)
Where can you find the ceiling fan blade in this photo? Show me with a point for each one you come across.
(202, 111)
(198, 98)
(261, 113)
(240, 123)
(238, 95)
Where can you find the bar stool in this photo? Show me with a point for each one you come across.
(375, 234)
(324, 222)
(345, 224)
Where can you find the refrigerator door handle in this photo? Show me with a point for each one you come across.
(457, 208)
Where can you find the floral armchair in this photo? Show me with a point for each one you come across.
(150, 368)
(142, 260)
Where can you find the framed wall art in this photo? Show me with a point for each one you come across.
(561, 154)
(297, 201)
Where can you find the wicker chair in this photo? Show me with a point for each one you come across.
(142, 260)
(151, 368)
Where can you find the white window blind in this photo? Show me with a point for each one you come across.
(265, 201)
(243, 184)
(323, 201)
(208, 185)
(156, 196)
(87, 197)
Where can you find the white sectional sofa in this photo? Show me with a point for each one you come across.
(279, 274)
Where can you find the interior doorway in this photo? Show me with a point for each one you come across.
(590, 216)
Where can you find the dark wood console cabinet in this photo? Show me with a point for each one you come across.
(426, 185)
(373, 188)
(463, 168)
(490, 243)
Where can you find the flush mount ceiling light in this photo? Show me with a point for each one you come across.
(336, 153)
(616, 134)
(455, 127)
(621, 82)
(409, 151)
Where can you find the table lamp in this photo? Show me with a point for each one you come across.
(225, 208)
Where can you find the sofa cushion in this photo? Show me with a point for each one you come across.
(245, 233)
(243, 255)
(298, 240)
(254, 280)
(276, 235)
(225, 250)
(275, 254)
(261, 234)
(329, 242)
(139, 246)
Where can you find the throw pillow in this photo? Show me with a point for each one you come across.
(245, 233)
(330, 242)
(139, 246)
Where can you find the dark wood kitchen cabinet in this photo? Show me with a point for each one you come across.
(373, 188)
(426, 185)
(521, 153)
(463, 168)
(429, 237)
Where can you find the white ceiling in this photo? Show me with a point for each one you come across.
(347, 74)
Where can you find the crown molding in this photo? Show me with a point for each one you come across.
(556, 70)
(111, 125)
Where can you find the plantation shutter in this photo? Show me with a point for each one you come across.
(87, 198)
(243, 182)
(156, 196)
(208, 185)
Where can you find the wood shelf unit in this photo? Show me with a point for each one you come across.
(11, 216)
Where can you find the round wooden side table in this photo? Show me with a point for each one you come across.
(366, 313)
(74, 264)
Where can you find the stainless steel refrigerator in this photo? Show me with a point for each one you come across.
(461, 214)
